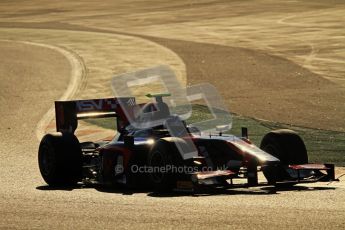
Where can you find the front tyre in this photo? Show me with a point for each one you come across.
(164, 155)
(288, 147)
(60, 159)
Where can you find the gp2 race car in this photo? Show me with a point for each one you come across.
(150, 156)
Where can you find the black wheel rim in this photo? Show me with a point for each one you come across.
(157, 161)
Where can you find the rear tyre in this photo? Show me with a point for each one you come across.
(164, 155)
(288, 147)
(60, 159)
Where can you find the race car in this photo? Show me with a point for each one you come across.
(151, 156)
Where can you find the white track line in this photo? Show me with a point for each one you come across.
(77, 74)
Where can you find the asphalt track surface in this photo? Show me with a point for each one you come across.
(26, 202)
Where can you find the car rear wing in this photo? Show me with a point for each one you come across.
(67, 113)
